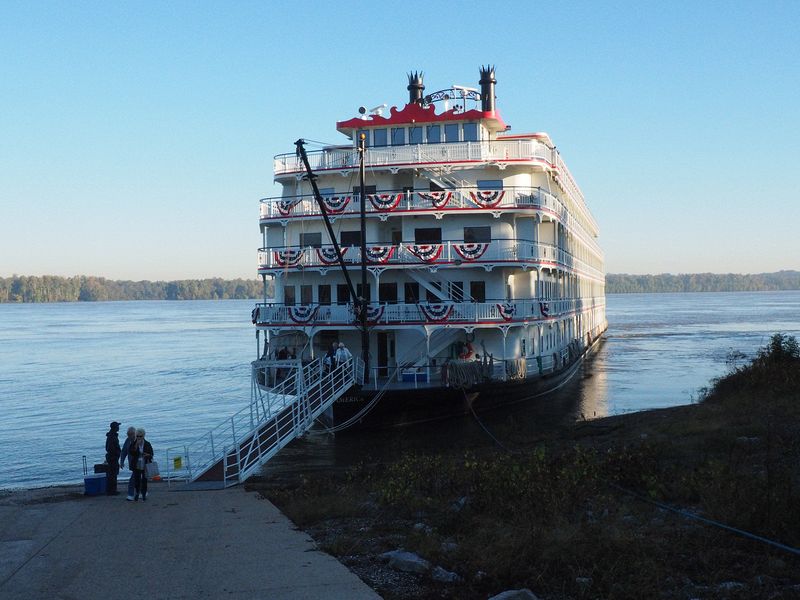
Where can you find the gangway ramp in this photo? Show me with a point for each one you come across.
(236, 448)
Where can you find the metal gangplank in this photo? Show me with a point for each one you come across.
(236, 448)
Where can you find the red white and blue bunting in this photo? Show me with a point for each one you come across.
(327, 254)
(285, 206)
(385, 202)
(426, 252)
(374, 313)
(507, 310)
(335, 204)
(288, 258)
(436, 313)
(437, 199)
(379, 254)
(471, 251)
(487, 198)
(545, 308)
(302, 314)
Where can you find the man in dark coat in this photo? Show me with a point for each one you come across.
(112, 458)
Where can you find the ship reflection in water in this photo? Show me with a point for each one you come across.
(584, 396)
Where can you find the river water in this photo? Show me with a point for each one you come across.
(179, 368)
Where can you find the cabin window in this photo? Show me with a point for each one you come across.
(431, 296)
(324, 294)
(470, 132)
(387, 292)
(342, 293)
(350, 238)
(411, 292)
(306, 294)
(490, 184)
(398, 136)
(397, 237)
(366, 138)
(379, 137)
(451, 132)
(455, 290)
(474, 235)
(311, 239)
(327, 191)
(428, 235)
(434, 134)
(368, 189)
(288, 295)
(477, 290)
(415, 135)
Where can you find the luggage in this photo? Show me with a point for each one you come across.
(93, 484)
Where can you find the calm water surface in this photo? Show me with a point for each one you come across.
(179, 368)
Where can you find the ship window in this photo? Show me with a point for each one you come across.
(398, 136)
(387, 292)
(477, 290)
(411, 292)
(451, 132)
(306, 294)
(366, 139)
(350, 238)
(428, 235)
(455, 289)
(470, 132)
(490, 184)
(327, 191)
(342, 293)
(379, 137)
(434, 134)
(474, 235)
(311, 239)
(324, 294)
(397, 237)
(415, 135)
(431, 296)
(368, 189)
(288, 295)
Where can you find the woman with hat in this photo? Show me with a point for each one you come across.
(141, 453)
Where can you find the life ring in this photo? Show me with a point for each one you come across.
(254, 315)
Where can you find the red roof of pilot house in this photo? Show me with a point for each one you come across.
(414, 113)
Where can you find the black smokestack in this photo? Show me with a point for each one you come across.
(487, 88)
(415, 88)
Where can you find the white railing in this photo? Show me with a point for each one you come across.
(500, 312)
(450, 252)
(247, 439)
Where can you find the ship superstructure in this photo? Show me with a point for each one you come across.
(483, 261)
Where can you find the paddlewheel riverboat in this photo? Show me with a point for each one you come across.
(478, 276)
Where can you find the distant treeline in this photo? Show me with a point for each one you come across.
(702, 282)
(50, 288)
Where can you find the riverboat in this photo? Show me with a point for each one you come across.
(480, 280)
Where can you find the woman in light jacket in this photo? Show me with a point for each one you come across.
(141, 453)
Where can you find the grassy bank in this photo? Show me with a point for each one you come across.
(582, 513)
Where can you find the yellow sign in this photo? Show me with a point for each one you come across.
(177, 463)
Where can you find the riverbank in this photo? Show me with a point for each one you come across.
(583, 512)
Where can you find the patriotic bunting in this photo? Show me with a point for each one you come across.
(302, 314)
(385, 202)
(285, 206)
(471, 251)
(426, 252)
(436, 313)
(507, 310)
(288, 258)
(379, 254)
(487, 198)
(335, 204)
(437, 199)
(328, 254)
(374, 313)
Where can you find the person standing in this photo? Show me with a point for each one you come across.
(112, 458)
(329, 358)
(126, 449)
(342, 354)
(140, 454)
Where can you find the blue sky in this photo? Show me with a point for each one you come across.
(137, 138)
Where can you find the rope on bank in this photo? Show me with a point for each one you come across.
(486, 429)
(689, 515)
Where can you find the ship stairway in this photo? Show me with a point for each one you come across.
(441, 175)
(236, 448)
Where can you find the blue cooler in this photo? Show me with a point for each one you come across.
(94, 484)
